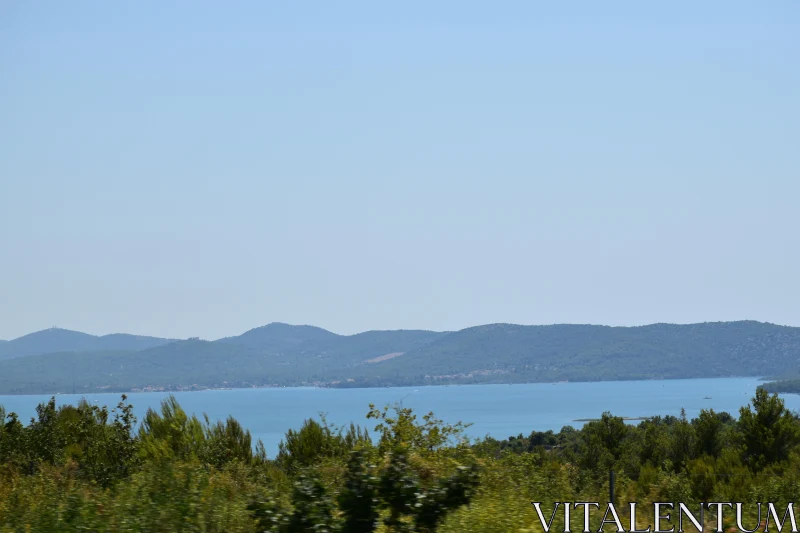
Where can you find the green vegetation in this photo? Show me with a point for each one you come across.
(783, 385)
(63, 340)
(85, 468)
(283, 355)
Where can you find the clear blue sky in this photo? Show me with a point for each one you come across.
(201, 168)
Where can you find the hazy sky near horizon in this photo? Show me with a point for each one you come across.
(201, 168)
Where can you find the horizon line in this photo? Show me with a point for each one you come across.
(177, 339)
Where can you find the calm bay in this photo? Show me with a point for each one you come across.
(496, 410)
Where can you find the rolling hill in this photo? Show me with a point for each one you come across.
(286, 355)
(58, 340)
(508, 353)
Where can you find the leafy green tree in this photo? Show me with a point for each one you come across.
(270, 516)
(402, 429)
(702, 478)
(602, 442)
(769, 431)
(313, 507)
(14, 449)
(682, 442)
(398, 488)
(46, 437)
(655, 442)
(434, 504)
(105, 452)
(358, 500)
(708, 430)
(314, 440)
(228, 441)
(171, 434)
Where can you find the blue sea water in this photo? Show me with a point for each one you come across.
(496, 410)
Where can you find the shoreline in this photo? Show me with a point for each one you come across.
(295, 387)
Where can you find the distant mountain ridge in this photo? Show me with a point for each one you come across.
(280, 354)
(60, 340)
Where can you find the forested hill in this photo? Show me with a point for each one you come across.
(59, 340)
(784, 385)
(286, 355)
(512, 353)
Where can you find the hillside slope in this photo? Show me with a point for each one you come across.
(329, 350)
(280, 337)
(276, 354)
(285, 355)
(60, 340)
(512, 353)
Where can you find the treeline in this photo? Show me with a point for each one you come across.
(88, 468)
(784, 385)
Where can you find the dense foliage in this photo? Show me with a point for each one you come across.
(284, 355)
(85, 468)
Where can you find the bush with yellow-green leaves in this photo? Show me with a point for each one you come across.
(84, 468)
